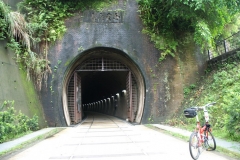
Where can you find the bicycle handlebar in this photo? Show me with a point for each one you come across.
(209, 104)
(204, 107)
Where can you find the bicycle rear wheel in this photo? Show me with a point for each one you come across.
(211, 143)
(194, 145)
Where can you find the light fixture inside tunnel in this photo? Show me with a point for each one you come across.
(117, 94)
(124, 91)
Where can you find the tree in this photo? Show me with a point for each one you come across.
(206, 20)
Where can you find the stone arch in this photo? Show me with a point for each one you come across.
(112, 54)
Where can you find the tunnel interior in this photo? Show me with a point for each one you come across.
(100, 85)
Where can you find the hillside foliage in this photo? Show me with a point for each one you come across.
(221, 85)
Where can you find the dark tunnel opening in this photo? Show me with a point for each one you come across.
(104, 92)
(100, 85)
(98, 91)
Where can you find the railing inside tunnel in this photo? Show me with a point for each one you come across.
(225, 46)
(108, 105)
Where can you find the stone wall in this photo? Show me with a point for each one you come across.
(117, 27)
(120, 27)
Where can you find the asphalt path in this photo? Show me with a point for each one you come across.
(102, 137)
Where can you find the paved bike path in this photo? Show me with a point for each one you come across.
(108, 138)
(231, 146)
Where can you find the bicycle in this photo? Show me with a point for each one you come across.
(202, 137)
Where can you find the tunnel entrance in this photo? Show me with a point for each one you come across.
(104, 84)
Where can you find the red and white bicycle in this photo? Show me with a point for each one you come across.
(202, 138)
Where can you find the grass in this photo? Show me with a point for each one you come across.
(31, 141)
(228, 153)
(220, 84)
(17, 136)
(186, 139)
(220, 134)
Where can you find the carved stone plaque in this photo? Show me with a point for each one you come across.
(103, 17)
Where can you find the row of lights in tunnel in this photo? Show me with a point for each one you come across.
(93, 103)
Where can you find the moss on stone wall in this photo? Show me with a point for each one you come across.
(32, 100)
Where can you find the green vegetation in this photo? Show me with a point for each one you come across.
(38, 24)
(221, 85)
(34, 106)
(188, 90)
(12, 125)
(207, 21)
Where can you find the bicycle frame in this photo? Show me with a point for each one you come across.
(200, 130)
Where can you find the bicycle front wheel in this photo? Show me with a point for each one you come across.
(194, 145)
(211, 143)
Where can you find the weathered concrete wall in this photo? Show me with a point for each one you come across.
(14, 86)
(164, 81)
(12, 3)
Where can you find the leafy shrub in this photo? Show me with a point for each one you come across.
(188, 90)
(12, 124)
(33, 123)
(231, 107)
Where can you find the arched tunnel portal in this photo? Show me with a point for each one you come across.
(103, 80)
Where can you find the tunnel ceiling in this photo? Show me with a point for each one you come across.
(98, 85)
